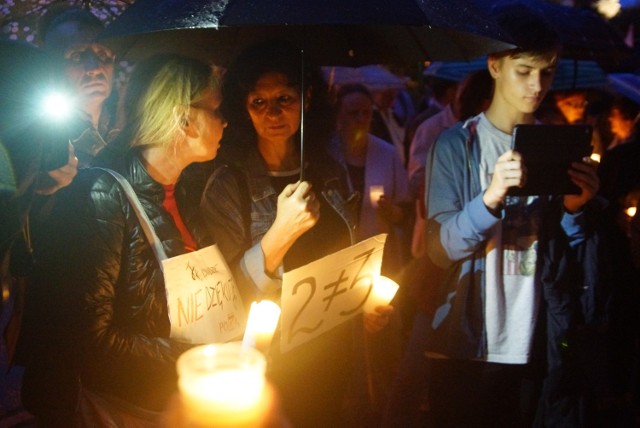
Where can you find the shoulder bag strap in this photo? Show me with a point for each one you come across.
(149, 232)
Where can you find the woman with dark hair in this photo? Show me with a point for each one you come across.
(98, 316)
(267, 221)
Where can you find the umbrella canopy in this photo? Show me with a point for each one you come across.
(19, 19)
(585, 35)
(570, 73)
(375, 77)
(626, 84)
(333, 32)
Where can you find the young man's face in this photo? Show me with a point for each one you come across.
(522, 81)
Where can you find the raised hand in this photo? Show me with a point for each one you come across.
(61, 177)
(585, 175)
(509, 171)
(298, 211)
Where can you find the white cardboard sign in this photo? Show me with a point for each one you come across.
(203, 299)
(329, 291)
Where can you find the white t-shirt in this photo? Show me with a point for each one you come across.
(512, 298)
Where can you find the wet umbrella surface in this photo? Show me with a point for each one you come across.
(332, 32)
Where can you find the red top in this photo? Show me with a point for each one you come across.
(169, 204)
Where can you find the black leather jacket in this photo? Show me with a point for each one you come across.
(111, 287)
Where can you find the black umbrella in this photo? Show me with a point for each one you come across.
(332, 32)
(585, 35)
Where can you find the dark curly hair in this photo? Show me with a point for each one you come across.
(240, 79)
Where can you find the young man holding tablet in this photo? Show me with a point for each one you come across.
(493, 247)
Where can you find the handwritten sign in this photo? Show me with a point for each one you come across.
(329, 291)
(203, 299)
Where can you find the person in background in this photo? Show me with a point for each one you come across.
(267, 221)
(622, 118)
(69, 34)
(385, 123)
(441, 93)
(572, 104)
(36, 158)
(96, 322)
(494, 250)
(376, 172)
(408, 392)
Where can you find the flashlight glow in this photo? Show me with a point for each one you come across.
(56, 106)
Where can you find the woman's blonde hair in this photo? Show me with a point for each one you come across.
(159, 95)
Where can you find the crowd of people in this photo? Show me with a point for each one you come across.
(513, 311)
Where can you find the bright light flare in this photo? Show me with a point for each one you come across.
(57, 106)
(595, 157)
(608, 8)
(631, 211)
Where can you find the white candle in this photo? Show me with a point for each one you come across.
(222, 385)
(382, 292)
(374, 194)
(261, 325)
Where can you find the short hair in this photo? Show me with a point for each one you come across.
(60, 15)
(531, 32)
(274, 56)
(156, 86)
(352, 88)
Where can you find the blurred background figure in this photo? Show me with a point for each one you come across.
(375, 171)
(69, 34)
(622, 117)
(35, 158)
(572, 104)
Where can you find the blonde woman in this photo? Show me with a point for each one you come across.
(100, 311)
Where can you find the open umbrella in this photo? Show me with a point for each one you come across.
(375, 77)
(627, 84)
(333, 32)
(570, 73)
(585, 35)
(19, 19)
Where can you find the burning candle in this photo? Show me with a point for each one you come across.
(382, 292)
(595, 157)
(261, 325)
(222, 385)
(631, 211)
(374, 194)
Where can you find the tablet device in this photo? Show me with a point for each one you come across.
(548, 151)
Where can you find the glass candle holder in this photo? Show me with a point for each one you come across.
(222, 385)
(382, 292)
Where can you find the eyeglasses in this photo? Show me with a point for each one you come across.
(82, 53)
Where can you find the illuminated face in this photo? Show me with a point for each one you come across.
(572, 107)
(274, 107)
(209, 124)
(523, 81)
(89, 65)
(354, 117)
(621, 127)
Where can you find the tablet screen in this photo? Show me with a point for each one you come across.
(548, 151)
